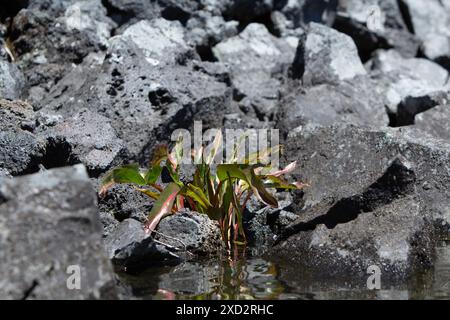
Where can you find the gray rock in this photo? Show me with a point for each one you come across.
(162, 41)
(358, 101)
(191, 231)
(63, 231)
(123, 202)
(20, 149)
(325, 55)
(12, 81)
(130, 247)
(435, 121)
(255, 58)
(301, 12)
(430, 21)
(143, 102)
(91, 140)
(387, 216)
(49, 38)
(413, 85)
(375, 24)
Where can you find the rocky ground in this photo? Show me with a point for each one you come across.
(359, 90)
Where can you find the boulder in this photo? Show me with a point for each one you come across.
(357, 101)
(63, 234)
(325, 55)
(143, 102)
(389, 216)
(413, 85)
(256, 58)
(430, 22)
(20, 150)
(376, 24)
(90, 139)
(129, 247)
(435, 122)
(190, 231)
(12, 81)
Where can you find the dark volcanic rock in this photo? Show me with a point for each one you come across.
(90, 140)
(435, 122)
(375, 24)
(123, 201)
(411, 85)
(358, 101)
(12, 81)
(20, 150)
(430, 21)
(376, 198)
(62, 230)
(256, 58)
(130, 247)
(191, 231)
(325, 55)
(143, 99)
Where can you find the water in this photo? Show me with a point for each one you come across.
(255, 278)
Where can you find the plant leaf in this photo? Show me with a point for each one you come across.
(288, 169)
(162, 207)
(259, 189)
(125, 174)
(215, 148)
(153, 173)
(160, 153)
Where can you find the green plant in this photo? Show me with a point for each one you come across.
(221, 195)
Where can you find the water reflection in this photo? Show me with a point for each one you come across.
(243, 277)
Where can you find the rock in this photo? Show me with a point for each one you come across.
(90, 139)
(123, 202)
(191, 231)
(63, 231)
(91, 18)
(160, 40)
(385, 217)
(301, 12)
(246, 11)
(20, 150)
(376, 24)
(12, 81)
(143, 102)
(205, 30)
(435, 122)
(329, 158)
(48, 40)
(130, 247)
(358, 101)
(412, 85)
(256, 58)
(430, 21)
(325, 55)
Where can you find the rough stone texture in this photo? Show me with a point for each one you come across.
(143, 102)
(412, 85)
(162, 41)
(12, 81)
(123, 201)
(358, 101)
(255, 58)
(130, 247)
(375, 198)
(325, 55)
(435, 122)
(430, 21)
(61, 229)
(20, 150)
(90, 139)
(375, 24)
(193, 232)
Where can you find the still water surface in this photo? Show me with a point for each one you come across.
(257, 278)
